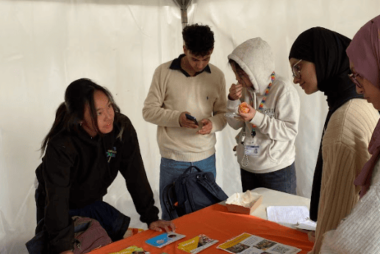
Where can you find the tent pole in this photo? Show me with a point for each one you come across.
(184, 17)
(183, 5)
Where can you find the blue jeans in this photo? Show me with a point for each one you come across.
(170, 170)
(284, 180)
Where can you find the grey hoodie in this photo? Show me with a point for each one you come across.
(272, 148)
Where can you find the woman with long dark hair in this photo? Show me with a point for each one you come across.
(88, 144)
(319, 63)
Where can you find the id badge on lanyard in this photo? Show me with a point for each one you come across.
(250, 146)
(252, 150)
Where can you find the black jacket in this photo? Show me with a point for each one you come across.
(76, 171)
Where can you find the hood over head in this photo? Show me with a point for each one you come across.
(364, 51)
(256, 58)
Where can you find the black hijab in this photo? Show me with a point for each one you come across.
(327, 50)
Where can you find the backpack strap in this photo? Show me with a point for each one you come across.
(190, 168)
(169, 199)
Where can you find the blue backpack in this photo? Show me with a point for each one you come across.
(191, 192)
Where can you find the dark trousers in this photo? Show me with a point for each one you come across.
(111, 219)
(284, 180)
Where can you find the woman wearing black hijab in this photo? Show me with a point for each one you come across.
(319, 63)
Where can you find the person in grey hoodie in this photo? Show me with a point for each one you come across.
(265, 107)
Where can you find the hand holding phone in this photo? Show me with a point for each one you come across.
(192, 118)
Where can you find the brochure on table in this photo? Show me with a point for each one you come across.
(131, 250)
(164, 239)
(251, 244)
(196, 244)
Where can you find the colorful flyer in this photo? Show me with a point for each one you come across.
(196, 244)
(251, 244)
(131, 250)
(164, 239)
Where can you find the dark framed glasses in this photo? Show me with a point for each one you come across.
(353, 76)
(296, 69)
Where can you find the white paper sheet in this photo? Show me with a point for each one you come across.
(306, 224)
(293, 216)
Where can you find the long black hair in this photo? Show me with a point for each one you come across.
(70, 113)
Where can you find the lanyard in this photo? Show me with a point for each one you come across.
(245, 159)
(272, 78)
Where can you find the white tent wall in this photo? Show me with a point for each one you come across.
(44, 45)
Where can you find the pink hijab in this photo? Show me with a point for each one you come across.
(364, 53)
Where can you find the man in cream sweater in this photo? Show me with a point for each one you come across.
(188, 85)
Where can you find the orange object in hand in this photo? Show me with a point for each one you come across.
(243, 107)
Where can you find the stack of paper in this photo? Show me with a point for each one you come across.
(306, 224)
(291, 216)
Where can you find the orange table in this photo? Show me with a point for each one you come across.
(217, 223)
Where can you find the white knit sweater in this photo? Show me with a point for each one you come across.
(360, 231)
(344, 151)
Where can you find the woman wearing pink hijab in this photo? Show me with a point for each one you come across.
(360, 231)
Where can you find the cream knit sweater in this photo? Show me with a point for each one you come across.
(172, 93)
(344, 151)
(360, 231)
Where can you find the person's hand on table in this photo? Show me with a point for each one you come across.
(158, 225)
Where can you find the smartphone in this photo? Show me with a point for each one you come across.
(192, 118)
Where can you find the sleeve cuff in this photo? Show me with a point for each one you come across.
(152, 220)
(233, 105)
(213, 130)
(175, 120)
(258, 118)
(230, 99)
